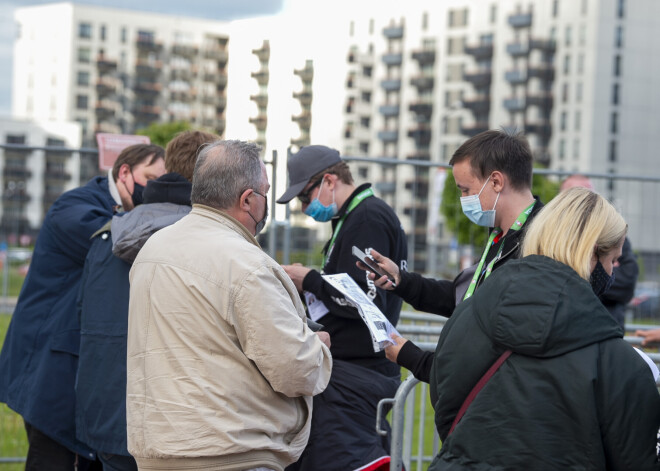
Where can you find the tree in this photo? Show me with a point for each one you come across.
(162, 133)
(465, 231)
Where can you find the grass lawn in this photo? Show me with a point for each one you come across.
(13, 441)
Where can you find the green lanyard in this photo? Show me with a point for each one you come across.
(522, 218)
(359, 198)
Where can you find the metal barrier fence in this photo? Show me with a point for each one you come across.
(424, 329)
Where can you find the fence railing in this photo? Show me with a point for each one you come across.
(424, 329)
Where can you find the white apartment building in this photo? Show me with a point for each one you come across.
(579, 77)
(33, 179)
(117, 71)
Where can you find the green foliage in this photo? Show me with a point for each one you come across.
(162, 133)
(544, 188)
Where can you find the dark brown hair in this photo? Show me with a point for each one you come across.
(181, 152)
(340, 169)
(135, 155)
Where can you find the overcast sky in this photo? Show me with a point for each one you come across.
(210, 9)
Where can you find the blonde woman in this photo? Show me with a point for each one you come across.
(572, 394)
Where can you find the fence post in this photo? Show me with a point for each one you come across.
(396, 447)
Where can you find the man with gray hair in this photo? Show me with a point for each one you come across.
(221, 364)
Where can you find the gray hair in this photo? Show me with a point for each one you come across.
(223, 171)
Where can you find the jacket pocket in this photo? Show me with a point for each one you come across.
(302, 414)
(67, 341)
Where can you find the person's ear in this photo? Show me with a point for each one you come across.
(498, 180)
(244, 200)
(330, 180)
(124, 172)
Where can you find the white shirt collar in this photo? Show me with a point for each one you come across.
(112, 186)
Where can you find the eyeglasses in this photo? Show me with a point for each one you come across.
(304, 196)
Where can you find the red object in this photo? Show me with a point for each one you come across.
(111, 145)
(380, 464)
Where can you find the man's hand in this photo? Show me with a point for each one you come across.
(392, 351)
(324, 337)
(387, 265)
(650, 336)
(297, 273)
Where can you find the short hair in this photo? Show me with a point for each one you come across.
(507, 152)
(569, 227)
(223, 171)
(135, 155)
(340, 169)
(181, 152)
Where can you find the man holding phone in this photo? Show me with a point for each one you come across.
(323, 184)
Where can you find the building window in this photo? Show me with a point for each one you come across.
(618, 39)
(102, 33)
(567, 64)
(455, 46)
(366, 97)
(615, 94)
(124, 35)
(84, 55)
(568, 32)
(84, 30)
(15, 139)
(81, 102)
(83, 125)
(614, 123)
(555, 8)
(583, 35)
(613, 151)
(578, 120)
(351, 29)
(371, 26)
(425, 21)
(617, 65)
(564, 93)
(576, 149)
(580, 64)
(621, 8)
(562, 121)
(562, 149)
(493, 13)
(578, 92)
(83, 79)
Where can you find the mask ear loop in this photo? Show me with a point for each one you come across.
(496, 198)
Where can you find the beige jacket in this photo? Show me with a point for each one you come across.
(221, 364)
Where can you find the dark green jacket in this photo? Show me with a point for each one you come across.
(573, 395)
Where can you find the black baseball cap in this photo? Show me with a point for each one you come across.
(302, 166)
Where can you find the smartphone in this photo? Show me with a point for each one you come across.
(371, 263)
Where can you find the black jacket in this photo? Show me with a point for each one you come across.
(442, 296)
(622, 290)
(573, 395)
(372, 224)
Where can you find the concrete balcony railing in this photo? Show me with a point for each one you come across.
(392, 58)
(393, 32)
(542, 72)
(520, 20)
(389, 110)
(422, 108)
(516, 76)
(515, 104)
(424, 56)
(477, 104)
(391, 85)
(261, 100)
(542, 100)
(474, 129)
(261, 77)
(388, 135)
(518, 49)
(479, 51)
(422, 82)
(478, 78)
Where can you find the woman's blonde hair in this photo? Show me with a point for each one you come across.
(572, 227)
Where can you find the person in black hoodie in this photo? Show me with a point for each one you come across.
(492, 170)
(103, 302)
(571, 394)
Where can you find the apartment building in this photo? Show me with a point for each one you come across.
(577, 76)
(116, 71)
(33, 179)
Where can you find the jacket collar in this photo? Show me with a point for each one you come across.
(225, 219)
(112, 187)
(344, 207)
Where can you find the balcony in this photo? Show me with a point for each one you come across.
(304, 98)
(304, 120)
(105, 110)
(146, 112)
(17, 173)
(147, 44)
(516, 76)
(105, 87)
(544, 45)
(261, 100)
(542, 100)
(107, 127)
(520, 20)
(421, 135)
(518, 49)
(389, 110)
(542, 128)
(515, 104)
(422, 82)
(474, 129)
(148, 89)
(422, 108)
(262, 53)
(392, 58)
(185, 74)
(542, 72)
(217, 54)
(424, 57)
(259, 121)
(393, 32)
(183, 95)
(105, 65)
(355, 57)
(478, 78)
(479, 51)
(184, 50)
(388, 136)
(301, 141)
(478, 104)
(261, 77)
(220, 78)
(362, 108)
(422, 155)
(385, 187)
(147, 68)
(391, 85)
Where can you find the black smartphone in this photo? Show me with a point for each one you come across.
(371, 263)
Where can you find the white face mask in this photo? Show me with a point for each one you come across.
(471, 206)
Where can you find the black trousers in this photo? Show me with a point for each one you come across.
(46, 453)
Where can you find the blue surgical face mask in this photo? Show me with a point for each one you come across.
(317, 211)
(471, 206)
